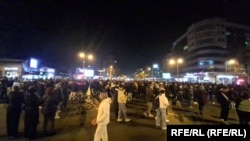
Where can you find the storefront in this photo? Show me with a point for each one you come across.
(25, 69)
(33, 69)
(11, 68)
(219, 78)
(47, 73)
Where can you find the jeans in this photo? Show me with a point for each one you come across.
(122, 111)
(129, 96)
(49, 119)
(191, 100)
(224, 112)
(161, 117)
(101, 133)
(201, 107)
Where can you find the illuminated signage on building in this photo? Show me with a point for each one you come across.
(33, 63)
(11, 68)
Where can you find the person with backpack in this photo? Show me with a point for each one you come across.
(161, 110)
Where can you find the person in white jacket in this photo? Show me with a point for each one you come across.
(161, 110)
(103, 118)
(122, 99)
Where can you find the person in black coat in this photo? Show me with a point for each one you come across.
(114, 93)
(15, 101)
(49, 104)
(31, 118)
(224, 101)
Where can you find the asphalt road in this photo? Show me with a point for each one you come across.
(76, 127)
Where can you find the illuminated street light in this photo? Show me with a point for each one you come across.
(110, 71)
(177, 62)
(149, 71)
(231, 62)
(83, 56)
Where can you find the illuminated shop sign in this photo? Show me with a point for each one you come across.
(89, 73)
(10, 68)
(47, 70)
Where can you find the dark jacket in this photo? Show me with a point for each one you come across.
(50, 101)
(15, 100)
(224, 102)
(202, 96)
(149, 94)
(32, 103)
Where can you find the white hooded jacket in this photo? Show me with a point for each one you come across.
(163, 100)
(103, 115)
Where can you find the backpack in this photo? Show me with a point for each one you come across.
(156, 103)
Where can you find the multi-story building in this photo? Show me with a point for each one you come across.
(206, 48)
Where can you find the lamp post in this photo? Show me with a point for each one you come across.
(85, 56)
(110, 71)
(155, 66)
(176, 62)
(149, 70)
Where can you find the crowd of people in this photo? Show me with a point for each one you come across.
(50, 97)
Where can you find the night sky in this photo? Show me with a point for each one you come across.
(135, 33)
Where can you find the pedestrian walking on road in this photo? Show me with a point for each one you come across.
(122, 99)
(103, 118)
(201, 98)
(114, 94)
(49, 103)
(149, 100)
(161, 110)
(31, 118)
(15, 101)
(224, 101)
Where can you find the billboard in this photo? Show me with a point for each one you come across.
(89, 73)
(166, 75)
(33, 63)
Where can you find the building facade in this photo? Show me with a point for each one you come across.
(11, 68)
(25, 69)
(208, 48)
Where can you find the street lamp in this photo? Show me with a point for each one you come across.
(149, 71)
(110, 71)
(83, 56)
(231, 62)
(177, 62)
(155, 66)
